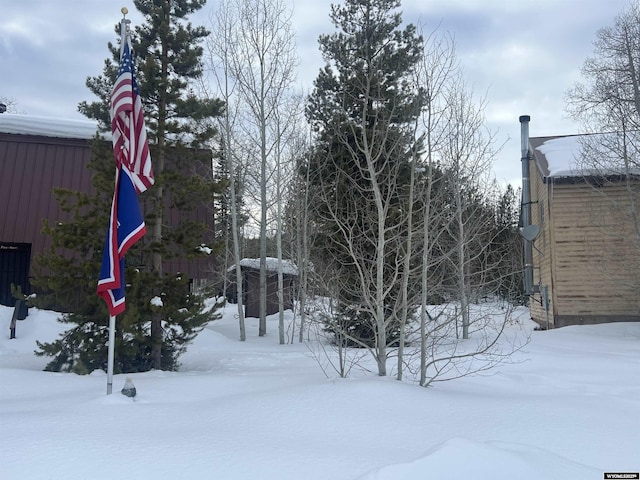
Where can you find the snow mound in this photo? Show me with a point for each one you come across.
(463, 458)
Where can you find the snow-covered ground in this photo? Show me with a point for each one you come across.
(567, 407)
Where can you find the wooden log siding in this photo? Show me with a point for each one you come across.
(587, 253)
(542, 249)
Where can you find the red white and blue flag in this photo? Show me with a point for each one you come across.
(133, 175)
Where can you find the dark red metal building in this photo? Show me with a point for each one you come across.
(37, 155)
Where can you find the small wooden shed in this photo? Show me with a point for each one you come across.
(586, 263)
(251, 285)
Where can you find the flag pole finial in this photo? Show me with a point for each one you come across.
(124, 28)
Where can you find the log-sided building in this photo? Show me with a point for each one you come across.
(38, 154)
(584, 261)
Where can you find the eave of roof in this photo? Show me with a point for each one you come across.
(561, 159)
(49, 126)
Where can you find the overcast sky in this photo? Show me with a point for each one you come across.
(523, 54)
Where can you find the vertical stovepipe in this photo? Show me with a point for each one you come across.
(526, 204)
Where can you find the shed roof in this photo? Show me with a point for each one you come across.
(288, 267)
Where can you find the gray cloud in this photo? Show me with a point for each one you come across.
(523, 54)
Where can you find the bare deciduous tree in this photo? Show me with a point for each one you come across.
(467, 156)
(219, 46)
(435, 71)
(260, 57)
(263, 62)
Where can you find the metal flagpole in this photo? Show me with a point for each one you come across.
(112, 318)
(112, 340)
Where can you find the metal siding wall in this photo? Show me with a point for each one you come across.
(7, 169)
(32, 166)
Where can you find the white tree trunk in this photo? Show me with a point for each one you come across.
(220, 49)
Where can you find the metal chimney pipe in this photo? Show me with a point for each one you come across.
(526, 204)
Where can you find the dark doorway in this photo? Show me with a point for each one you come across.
(15, 259)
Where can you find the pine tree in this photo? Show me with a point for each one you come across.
(178, 123)
(362, 108)
(507, 247)
(222, 211)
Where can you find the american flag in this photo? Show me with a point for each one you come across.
(133, 175)
(129, 135)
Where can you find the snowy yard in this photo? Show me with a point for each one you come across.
(567, 407)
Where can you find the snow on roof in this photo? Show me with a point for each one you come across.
(48, 126)
(562, 155)
(288, 267)
(61, 127)
(584, 155)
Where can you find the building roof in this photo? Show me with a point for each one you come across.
(579, 156)
(288, 267)
(49, 126)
